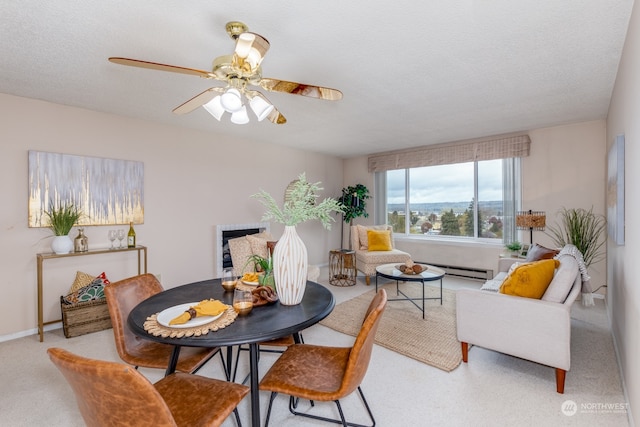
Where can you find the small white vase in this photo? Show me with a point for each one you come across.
(61, 245)
(290, 265)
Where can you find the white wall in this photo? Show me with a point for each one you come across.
(193, 182)
(624, 292)
(565, 169)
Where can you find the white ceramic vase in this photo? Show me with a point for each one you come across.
(61, 245)
(290, 265)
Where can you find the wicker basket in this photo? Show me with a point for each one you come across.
(84, 317)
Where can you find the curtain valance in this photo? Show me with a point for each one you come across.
(499, 147)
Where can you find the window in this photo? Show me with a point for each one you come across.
(472, 200)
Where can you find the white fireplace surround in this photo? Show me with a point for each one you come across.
(263, 226)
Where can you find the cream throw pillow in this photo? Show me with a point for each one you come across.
(258, 243)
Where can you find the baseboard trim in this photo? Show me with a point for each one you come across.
(29, 332)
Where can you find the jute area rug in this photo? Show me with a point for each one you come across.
(432, 341)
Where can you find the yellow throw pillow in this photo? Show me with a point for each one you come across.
(530, 280)
(379, 240)
(82, 280)
(362, 234)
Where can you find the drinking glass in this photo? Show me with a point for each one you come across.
(120, 237)
(229, 279)
(112, 237)
(242, 301)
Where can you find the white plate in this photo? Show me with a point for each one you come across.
(250, 283)
(168, 314)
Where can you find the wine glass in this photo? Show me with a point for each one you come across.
(112, 237)
(120, 237)
(242, 301)
(228, 279)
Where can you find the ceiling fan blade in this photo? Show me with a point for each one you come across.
(161, 67)
(275, 85)
(198, 100)
(276, 117)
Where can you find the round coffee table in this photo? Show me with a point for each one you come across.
(429, 274)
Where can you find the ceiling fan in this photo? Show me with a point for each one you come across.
(239, 71)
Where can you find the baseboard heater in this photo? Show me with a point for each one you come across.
(466, 272)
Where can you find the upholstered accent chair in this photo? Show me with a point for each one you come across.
(113, 394)
(324, 374)
(242, 248)
(368, 257)
(121, 297)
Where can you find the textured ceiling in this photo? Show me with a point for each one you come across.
(412, 72)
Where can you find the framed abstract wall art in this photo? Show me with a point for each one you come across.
(107, 191)
(615, 191)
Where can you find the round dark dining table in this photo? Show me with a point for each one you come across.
(261, 324)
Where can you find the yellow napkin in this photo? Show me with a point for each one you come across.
(208, 307)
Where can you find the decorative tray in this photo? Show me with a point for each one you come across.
(409, 271)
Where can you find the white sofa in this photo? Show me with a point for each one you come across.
(531, 329)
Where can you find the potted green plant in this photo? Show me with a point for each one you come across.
(290, 263)
(354, 204)
(62, 218)
(581, 228)
(514, 246)
(265, 266)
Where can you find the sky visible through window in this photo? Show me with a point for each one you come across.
(447, 183)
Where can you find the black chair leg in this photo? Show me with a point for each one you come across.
(273, 396)
(293, 404)
(238, 422)
(224, 365)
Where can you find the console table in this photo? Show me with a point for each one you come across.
(41, 257)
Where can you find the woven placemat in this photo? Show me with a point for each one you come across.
(152, 326)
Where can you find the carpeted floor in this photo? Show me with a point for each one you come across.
(491, 390)
(431, 340)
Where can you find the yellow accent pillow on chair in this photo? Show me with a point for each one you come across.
(530, 280)
(379, 240)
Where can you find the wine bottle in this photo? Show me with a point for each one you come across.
(131, 237)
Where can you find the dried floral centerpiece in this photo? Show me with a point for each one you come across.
(290, 263)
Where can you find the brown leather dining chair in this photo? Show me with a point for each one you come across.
(277, 345)
(113, 394)
(319, 373)
(125, 294)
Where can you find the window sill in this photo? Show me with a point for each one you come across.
(449, 241)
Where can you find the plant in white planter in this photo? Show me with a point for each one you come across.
(61, 219)
(290, 263)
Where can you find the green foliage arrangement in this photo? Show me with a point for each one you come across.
(353, 202)
(514, 246)
(261, 264)
(62, 218)
(583, 229)
(299, 205)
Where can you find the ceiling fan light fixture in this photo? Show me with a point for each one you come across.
(215, 108)
(261, 107)
(243, 44)
(240, 117)
(231, 100)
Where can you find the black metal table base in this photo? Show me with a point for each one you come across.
(406, 297)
